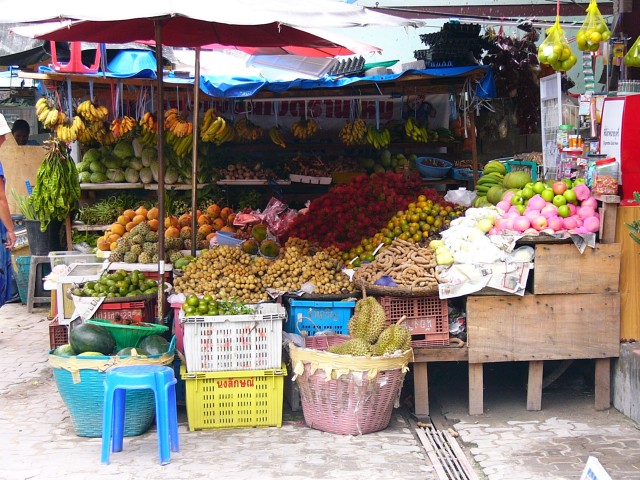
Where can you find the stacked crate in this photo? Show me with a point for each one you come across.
(233, 371)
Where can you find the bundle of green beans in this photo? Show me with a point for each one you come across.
(57, 189)
(106, 210)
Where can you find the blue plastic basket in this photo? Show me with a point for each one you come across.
(23, 266)
(433, 172)
(463, 174)
(310, 317)
(226, 238)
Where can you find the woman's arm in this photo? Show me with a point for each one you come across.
(5, 216)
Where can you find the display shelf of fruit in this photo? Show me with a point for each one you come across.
(119, 283)
(123, 162)
(208, 306)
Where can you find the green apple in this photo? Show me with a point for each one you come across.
(538, 187)
(521, 209)
(517, 200)
(570, 195)
(527, 192)
(547, 194)
(559, 200)
(564, 211)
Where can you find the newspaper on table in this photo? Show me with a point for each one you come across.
(465, 279)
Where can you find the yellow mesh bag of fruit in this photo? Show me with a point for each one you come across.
(555, 50)
(594, 30)
(632, 58)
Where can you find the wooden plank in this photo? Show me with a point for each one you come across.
(603, 384)
(476, 389)
(563, 269)
(20, 163)
(441, 354)
(432, 454)
(543, 327)
(421, 389)
(534, 387)
(608, 214)
(629, 275)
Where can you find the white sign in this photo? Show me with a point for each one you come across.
(593, 470)
(611, 130)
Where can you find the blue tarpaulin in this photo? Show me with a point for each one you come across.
(246, 87)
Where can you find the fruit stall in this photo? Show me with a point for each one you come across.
(371, 257)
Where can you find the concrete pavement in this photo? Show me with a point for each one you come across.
(507, 442)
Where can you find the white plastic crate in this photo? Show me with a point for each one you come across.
(234, 342)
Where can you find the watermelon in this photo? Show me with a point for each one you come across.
(91, 338)
(131, 352)
(154, 344)
(64, 350)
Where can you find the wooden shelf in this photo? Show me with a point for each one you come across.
(89, 228)
(154, 186)
(111, 186)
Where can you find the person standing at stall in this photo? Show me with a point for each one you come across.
(6, 227)
(21, 131)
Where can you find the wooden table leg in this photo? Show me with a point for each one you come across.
(476, 387)
(603, 384)
(421, 389)
(534, 388)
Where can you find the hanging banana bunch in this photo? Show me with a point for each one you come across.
(354, 133)
(69, 131)
(121, 126)
(216, 129)
(275, 134)
(415, 132)
(48, 114)
(304, 128)
(91, 112)
(247, 131)
(379, 138)
(149, 128)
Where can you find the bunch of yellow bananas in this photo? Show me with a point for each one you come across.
(181, 145)
(247, 131)
(174, 122)
(416, 132)
(354, 133)
(304, 128)
(276, 137)
(123, 125)
(216, 129)
(149, 128)
(97, 132)
(48, 114)
(379, 138)
(91, 112)
(69, 131)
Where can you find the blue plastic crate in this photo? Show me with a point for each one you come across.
(308, 317)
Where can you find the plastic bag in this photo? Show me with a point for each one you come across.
(555, 50)
(632, 58)
(462, 196)
(593, 31)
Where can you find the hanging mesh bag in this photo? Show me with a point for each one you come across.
(555, 50)
(632, 58)
(594, 30)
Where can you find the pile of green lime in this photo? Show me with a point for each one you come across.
(119, 283)
(207, 306)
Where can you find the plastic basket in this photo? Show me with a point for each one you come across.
(347, 395)
(81, 386)
(234, 342)
(463, 174)
(516, 165)
(227, 238)
(129, 335)
(58, 334)
(248, 398)
(308, 317)
(67, 258)
(440, 170)
(138, 311)
(23, 266)
(427, 318)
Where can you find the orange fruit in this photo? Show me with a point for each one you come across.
(218, 223)
(129, 226)
(103, 245)
(204, 219)
(113, 245)
(227, 228)
(113, 237)
(142, 211)
(123, 220)
(139, 219)
(153, 224)
(129, 213)
(184, 220)
(210, 236)
(225, 212)
(231, 218)
(171, 222)
(172, 232)
(205, 229)
(213, 211)
(153, 213)
(118, 228)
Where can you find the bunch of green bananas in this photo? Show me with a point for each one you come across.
(415, 132)
(379, 138)
(354, 133)
(181, 145)
(492, 174)
(276, 137)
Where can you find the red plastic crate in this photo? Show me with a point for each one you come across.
(136, 311)
(156, 276)
(427, 318)
(58, 334)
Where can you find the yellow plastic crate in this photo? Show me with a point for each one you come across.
(238, 399)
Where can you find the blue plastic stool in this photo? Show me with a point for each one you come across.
(162, 381)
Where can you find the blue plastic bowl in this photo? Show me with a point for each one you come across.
(434, 172)
(226, 238)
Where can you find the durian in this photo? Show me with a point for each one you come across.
(354, 346)
(395, 337)
(368, 321)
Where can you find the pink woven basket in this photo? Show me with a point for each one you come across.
(350, 404)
